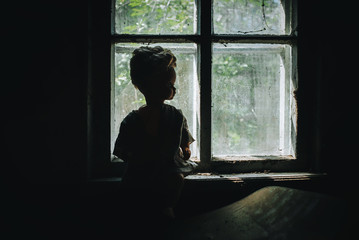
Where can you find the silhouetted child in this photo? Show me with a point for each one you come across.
(154, 140)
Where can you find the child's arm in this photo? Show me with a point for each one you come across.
(186, 140)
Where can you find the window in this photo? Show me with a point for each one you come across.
(236, 75)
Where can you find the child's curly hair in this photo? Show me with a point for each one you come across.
(152, 68)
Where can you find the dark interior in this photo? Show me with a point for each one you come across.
(45, 190)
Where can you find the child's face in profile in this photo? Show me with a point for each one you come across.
(173, 89)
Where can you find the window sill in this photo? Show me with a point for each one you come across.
(242, 165)
(237, 178)
(246, 177)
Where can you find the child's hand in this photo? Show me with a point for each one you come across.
(186, 153)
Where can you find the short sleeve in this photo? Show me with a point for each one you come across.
(123, 146)
(186, 134)
(120, 148)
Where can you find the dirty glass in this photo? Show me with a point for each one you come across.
(251, 99)
(155, 16)
(126, 98)
(250, 17)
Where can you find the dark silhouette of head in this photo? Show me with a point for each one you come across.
(152, 72)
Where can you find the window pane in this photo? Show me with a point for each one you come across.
(250, 17)
(251, 99)
(126, 98)
(155, 17)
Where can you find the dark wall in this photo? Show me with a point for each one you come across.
(44, 85)
(329, 49)
(43, 121)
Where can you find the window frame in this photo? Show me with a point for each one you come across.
(204, 39)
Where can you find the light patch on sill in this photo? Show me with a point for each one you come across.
(242, 177)
(252, 158)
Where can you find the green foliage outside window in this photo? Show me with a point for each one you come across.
(155, 16)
